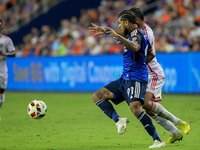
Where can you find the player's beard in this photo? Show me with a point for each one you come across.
(126, 31)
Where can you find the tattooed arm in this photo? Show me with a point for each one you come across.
(121, 40)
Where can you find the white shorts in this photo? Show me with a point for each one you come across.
(155, 83)
(3, 83)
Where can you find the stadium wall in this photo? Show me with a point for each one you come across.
(89, 73)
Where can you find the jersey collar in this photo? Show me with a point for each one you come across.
(133, 30)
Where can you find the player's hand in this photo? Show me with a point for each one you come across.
(98, 30)
(112, 33)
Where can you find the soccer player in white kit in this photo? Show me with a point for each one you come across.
(156, 80)
(6, 49)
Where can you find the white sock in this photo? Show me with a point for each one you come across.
(2, 99)
(162, 112)
(166, 124)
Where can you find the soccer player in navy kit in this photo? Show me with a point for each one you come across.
(132, 84)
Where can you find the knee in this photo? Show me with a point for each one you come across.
(136, 108)
(97, 96)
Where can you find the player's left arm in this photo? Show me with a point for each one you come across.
(150, 56)
(10, 49)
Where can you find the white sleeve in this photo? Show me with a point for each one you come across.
(10, 48)
(151, 39)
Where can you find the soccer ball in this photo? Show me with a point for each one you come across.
(37, 109)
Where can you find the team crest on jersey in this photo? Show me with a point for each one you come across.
(135, 38)
(1, 45)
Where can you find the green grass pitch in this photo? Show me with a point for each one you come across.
(73, 121)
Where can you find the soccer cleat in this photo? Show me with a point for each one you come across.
(121, 125)
(184, 126)
(157, 144)
(172, 139)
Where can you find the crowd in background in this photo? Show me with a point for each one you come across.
(176, 25)
(16, 12)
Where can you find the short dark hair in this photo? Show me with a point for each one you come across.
(138, 13)
(128, 15)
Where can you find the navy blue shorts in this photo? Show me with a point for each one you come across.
(128, 90)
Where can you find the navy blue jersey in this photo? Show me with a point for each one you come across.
(134, 63)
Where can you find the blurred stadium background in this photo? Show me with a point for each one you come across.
(55, 51)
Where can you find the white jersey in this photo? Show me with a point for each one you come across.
(153, 66)
(156, 77)
(6, 47)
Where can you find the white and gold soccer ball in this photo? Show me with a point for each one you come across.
(37, 109)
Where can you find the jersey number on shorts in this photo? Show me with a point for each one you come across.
(130, 91)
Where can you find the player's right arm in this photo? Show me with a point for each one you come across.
(120, 32)
(98, 30)
(10, 49)
(131, 45)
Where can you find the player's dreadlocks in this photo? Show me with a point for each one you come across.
(127, 15)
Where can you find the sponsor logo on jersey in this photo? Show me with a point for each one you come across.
(135, 38)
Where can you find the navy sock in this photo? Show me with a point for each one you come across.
(108, 109)
(148, 125)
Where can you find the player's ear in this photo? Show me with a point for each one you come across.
(126, 22)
